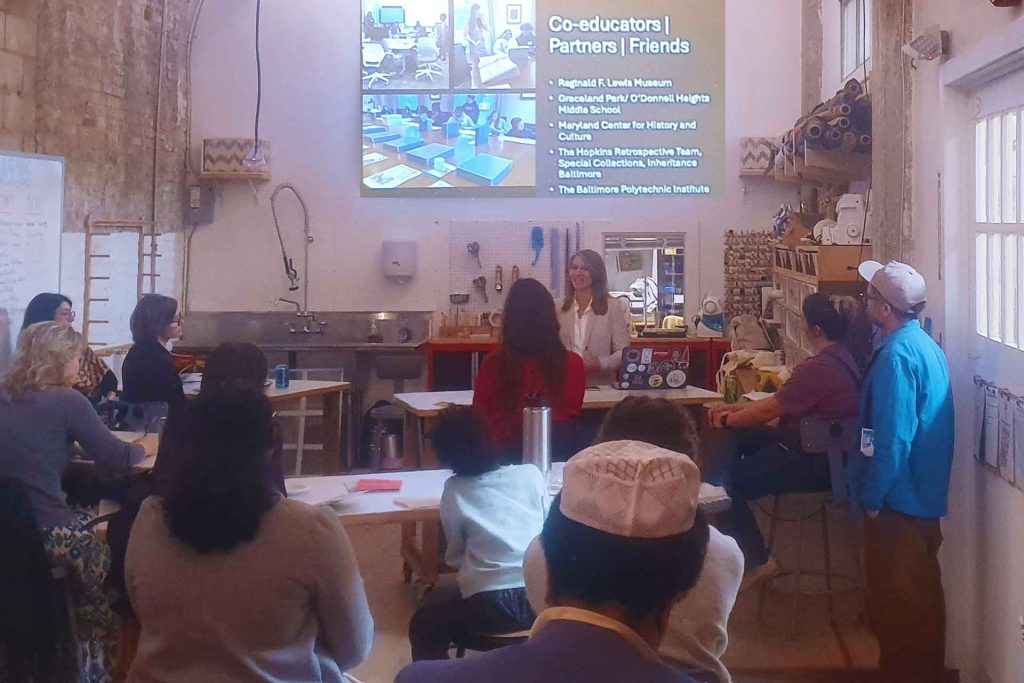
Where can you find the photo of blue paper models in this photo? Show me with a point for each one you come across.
(449, 143)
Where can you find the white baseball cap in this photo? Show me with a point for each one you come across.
(903, 287)
(630, 488)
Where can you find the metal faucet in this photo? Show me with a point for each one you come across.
(311, 326)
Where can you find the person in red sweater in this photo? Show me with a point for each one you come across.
(530, 364)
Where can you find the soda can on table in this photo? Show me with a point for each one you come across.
(281, 376)
(731, 389)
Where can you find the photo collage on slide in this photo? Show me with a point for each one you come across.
(449, 97)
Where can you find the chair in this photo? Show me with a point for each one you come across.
(398, 369)
(427, 57)
(373, 55)
(485, 642)
(37, 630)
(387, 63)
(835, 439)
(461, 71)
(124, 416)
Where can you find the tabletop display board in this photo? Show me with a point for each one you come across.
(31, 222)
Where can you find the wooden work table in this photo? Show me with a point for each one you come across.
(452, 362)
(422, 518)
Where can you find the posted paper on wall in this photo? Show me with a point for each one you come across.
(990, 436)
(1005, 452)
(1018, 441)
(979, 420)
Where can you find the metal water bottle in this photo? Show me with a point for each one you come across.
(537, 436)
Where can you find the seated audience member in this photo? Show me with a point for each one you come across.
(697, 633)
(239, 362)
(489, 514)
(148, 372)
(503, 42)
(624, 544)
(527, 38)
(41, 419)
(95, 379)
(752, 459)
(231, 581)
(35, 639)
(531, 364)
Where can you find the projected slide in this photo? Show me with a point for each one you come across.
(542, 98)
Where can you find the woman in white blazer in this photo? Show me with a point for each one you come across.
(593, 324)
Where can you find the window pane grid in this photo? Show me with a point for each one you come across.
(1011, 295)
(1020, 291)
(995, 289)
(999, 253)
(981, 171)
(981, 283)
(856, 35)
(995, 169)
(1010, 167)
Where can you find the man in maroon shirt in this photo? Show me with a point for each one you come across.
(751, 459)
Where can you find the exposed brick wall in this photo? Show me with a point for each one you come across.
(80, 80)
(18, 50)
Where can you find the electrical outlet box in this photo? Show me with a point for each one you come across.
(199, 203)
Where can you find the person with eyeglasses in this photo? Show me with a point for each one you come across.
(95, 379)
(148, 373)
(900, 476)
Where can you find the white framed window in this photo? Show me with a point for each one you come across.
(999, 227)
(855, 36)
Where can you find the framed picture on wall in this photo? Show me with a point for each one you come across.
(514, 14)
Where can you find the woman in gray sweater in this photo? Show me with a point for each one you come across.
(231, 581)
(41, 419)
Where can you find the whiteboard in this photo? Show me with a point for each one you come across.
(31, 222)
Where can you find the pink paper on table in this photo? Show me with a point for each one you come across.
(379, 485)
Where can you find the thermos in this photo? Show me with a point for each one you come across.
(537, 437)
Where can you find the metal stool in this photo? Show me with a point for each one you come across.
(485, 642)
(385, 450)
(836, 438)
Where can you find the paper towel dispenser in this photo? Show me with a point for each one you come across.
(398, 259)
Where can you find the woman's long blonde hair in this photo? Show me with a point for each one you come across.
(44, 351)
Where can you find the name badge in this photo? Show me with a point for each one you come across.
(867, 442)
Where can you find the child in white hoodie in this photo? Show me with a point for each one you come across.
(489, 514)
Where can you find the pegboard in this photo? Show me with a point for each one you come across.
(507, 243)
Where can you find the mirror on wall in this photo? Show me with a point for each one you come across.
(648, 269)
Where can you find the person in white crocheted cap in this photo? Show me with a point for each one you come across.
(697, 634)
(624, 543)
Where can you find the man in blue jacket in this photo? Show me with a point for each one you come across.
(907, 454)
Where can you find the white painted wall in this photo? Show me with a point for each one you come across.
(311, 116)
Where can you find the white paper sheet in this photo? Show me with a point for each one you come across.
(979, 420)
(391, 177)
(1018, 441)
(448, 168)
(373, 158)
(991, 436)
(1006, 446)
